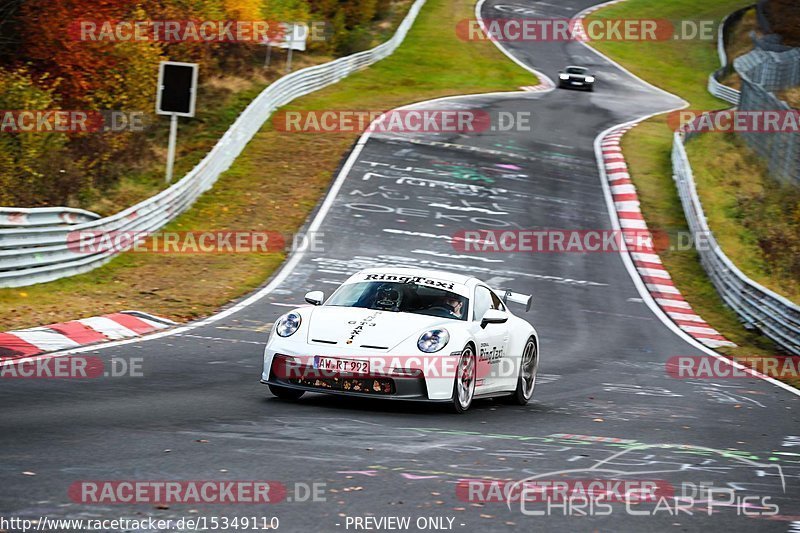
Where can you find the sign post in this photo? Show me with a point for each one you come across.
(292, 37)
(173, 139)
(269, 53)
(175, 96)
(289, 41)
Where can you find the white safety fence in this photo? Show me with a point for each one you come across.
(31, 255)
(16, 217)
(729, 94)
(758, 307)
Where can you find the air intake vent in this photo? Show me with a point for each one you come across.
(323, 342)
(375, 347)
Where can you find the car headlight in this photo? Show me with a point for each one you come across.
(563, 76)
(288, 324)
(433, 340)
(589, 79)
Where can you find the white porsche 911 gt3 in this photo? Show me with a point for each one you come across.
(406, 334)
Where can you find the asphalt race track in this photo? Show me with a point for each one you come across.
(603, 393)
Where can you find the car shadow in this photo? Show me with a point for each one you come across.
(380, 405)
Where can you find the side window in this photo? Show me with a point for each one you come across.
(483, 301)
(497, 303)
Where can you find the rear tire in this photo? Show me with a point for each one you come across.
(526, 381)
(464, 381)
(284, 393)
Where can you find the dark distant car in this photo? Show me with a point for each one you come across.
(576, 78)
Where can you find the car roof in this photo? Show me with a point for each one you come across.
(575, 66)
(421, 272)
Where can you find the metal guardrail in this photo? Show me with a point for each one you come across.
(41, 254)
(729, 94)
(772, 314)
(758, 307)
(16, 217)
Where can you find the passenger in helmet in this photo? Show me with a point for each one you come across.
(387, 297)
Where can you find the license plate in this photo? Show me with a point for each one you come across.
(332, 364)
(576, 82)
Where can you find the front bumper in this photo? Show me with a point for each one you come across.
(575, 84)
(386, 383)
(405, 393)
(304, 377)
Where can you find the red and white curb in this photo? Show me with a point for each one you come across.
(546, 85)
(648, 263)
(76, 333)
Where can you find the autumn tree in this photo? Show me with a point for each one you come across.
(35, 168)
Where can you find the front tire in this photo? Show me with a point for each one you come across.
(528, 368)
(284, 393)
(464, 380)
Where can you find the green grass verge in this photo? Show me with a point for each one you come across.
(273, 185)
(755, 218)
(682, 68)
(678, 66)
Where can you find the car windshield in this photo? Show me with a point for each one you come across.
(401, 297)
(576, 70)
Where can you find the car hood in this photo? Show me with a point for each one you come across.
(357, 327)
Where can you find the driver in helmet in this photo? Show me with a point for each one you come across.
(452, 303)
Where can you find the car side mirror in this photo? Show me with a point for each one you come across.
(493, 316)
(315, 297)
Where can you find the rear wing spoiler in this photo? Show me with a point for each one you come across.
(517, 298)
